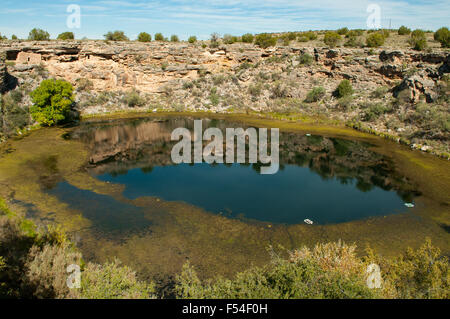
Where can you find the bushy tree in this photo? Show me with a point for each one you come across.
(375, 40)
(265, 40)
(159, 37)
(248, 38)
(14, 37)
(192, 39)
(229, 39)
(342, 31)
(66, 36)
(344, 89)
(144, 37)
(443, 37)
(310, 35)
(116, 36)
(315, 95)
(38, 35)
(418, 40)
(404, 30)
(331, 38)
(52, 101)
(174, 38)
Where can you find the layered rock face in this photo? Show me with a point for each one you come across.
(3, 74)
(147, 67)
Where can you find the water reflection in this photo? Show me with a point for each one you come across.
(329, 180)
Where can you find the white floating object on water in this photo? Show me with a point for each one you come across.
(155, 110)
(409, 205)
(308, 221)
(309, 135)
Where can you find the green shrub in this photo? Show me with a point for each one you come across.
(229, 39)
(315, 95)
(66, 36)
(306, 59)
(331, 38)
(214, 40)
(52, 102)
(13, 115)
(116, 36)
(38, 35)
(159, 37)
(418, 40)
(248, 38)
(354, 33)
(375, 40)
(303, 38)
(379, 93)
(385, 33)
(374, 111)
(353, 42)
(113, 281)
(310, 35)
(404, 30)
(255, 90)
(344, 89)
(443, 37)
(330, 271)
(192, 39)
(265, 40)
(144, 37)
(133, 99)
(342, 31)
(14, 37)
(174, 38)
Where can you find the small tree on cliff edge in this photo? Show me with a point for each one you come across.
(38, 35)
(52, 102)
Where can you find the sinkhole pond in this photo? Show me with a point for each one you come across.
(326, 180)
(112, 185)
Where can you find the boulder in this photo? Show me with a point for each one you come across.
(414, 86)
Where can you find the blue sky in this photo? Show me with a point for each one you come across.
(202, 17)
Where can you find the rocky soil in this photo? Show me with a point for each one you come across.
(401, 93)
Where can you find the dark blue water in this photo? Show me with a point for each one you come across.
(325, 179)
(290, 196)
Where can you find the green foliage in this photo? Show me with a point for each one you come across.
(255, 90)
(38, 35)
(353, 42)
(192, 39)
(248, 38)
(310, 35)
(329, 271)
(265, 40)
(14, 116)
(331, 38)
(230, 39)
(354, 33)
(116, 36)
(144, 37)
(342, 31)
(174, 38)
(159, 37)
(344, 89)
(379, 93)
(375, 40)
(443, 37)
(14, 37)
(214, 40)
(306, 59)
(133, 99)
(374, 111)
(418, 40)
(404, 30)
(315, 95)
(52, 102)
(113, 281)
(66, 36)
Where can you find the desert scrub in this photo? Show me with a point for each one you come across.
(306, 59)
(375, 40)
(403, 30)
(133, 99)
(247, 38)
(331, 39)
(443, 37)
(265, 40)
(13, 115)
(379, 92)
(144, 37)
(315, 95)
(344, 89)
(418, 40)
(374, 111)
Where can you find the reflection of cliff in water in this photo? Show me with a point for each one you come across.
(117, 146)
